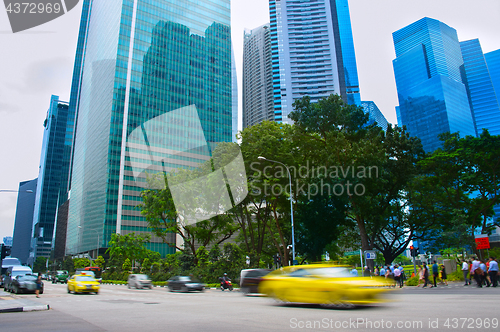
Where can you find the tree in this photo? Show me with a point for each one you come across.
(100, 262)
(81, 263)
(127, 265)
(40, 264)
(129, 246)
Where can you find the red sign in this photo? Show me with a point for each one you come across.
(482, 243)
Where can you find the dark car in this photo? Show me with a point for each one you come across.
(250, 279)
(185, 284)
(24, 284)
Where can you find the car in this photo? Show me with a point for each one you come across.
(24, 284)
(12, 273)
(139, 281)
(61, 276)
(83, 283)
(185, 284)
(250, 279)
(322, 284)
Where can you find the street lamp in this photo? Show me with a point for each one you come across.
(97, 248)
(29, 191)
(291, 204)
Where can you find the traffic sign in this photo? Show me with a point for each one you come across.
(370, 254)
(351, 253)
(482, 242)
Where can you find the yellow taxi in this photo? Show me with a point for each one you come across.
(323, 284)
(83, 283)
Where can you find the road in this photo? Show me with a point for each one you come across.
(116, 308)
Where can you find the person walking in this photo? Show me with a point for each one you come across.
(420, 274)
(397, 277)
(476, 271)
(484, 275)
(435, 273)
(38, 285)
(465, 271)
(444, 277)
(426, 275)
(493, 271)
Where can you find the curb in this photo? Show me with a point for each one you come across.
(28, 308)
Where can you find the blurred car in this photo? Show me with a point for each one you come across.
(83, 283)
(250, 279)
(322, 284)
(24, 284)
(185, 284)
(12, 273)
(139, 281)
(60, 276)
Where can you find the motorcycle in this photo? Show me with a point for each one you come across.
(225, 284)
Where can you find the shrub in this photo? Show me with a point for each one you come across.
(413, 281)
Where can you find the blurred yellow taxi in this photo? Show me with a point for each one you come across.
(322, 284)
(83, 283)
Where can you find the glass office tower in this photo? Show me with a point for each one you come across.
(482, 97)
(312, 53)
(53, 175)
(493, 62)
(257, 76)
(432, 97)
(140, 60)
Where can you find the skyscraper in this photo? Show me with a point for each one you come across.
(312, 53)
(23, 225)
(257, 76)
(53, 174)
(482, 97)
(375, 116)
(139, 60)
(493, 62)
(432, 97)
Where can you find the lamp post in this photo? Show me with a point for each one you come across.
(29, 191)
(97, 248)
(291, 204)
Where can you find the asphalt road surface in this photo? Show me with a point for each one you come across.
(116, 308)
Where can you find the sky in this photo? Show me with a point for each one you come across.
(39, 62)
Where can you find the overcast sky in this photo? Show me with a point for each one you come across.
(39, 62)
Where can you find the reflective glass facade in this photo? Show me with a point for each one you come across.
(375, 116)
(53, 174)
(312, 52)
(482, 97)
(493, 62)
(257, 77)
(142, 59)
(432, 97)
(23, 225)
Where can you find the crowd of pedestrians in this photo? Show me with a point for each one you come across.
(484, 273)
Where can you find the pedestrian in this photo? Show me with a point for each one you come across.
(444, 277)
(376, 272)
(426, 275)
(420, 275)
(476, 272)
(484, 275)
(38, 285)
(402, 277)
(354, 272)
(366, 272)
(465, 271)
(397, 276)
(435, 273)
(493, 271)
(382, 271)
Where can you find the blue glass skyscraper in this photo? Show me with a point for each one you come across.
(493, 62)
(432, 97)
(482, 97)
(53, 174)
(312, 53)
(139, 60)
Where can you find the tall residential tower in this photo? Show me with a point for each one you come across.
(312, 53)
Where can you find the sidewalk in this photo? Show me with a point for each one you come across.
(11, 303)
